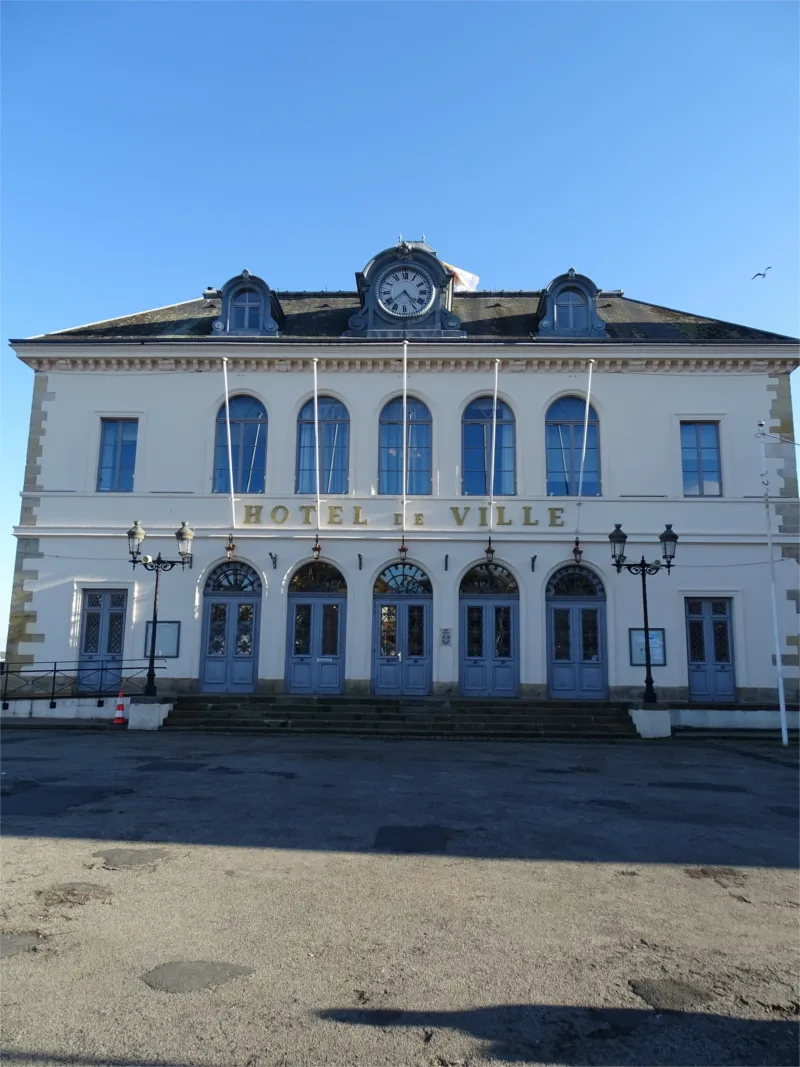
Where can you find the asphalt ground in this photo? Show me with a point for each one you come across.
(214, 899)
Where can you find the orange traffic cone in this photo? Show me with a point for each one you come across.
(119, 718)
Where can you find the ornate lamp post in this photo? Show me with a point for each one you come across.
(669, 541)
(136, 536)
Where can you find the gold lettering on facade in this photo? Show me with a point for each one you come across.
(252, 514)
(501, 516)
(526, 518)
(419, 518)
(335, 514)
(358, 519)
(484, 516)
(458, 516)
(555, 516)
(279, 514)
(306, 509)
(398, 518)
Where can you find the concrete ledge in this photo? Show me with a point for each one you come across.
(147, 716)
(65, 708)
(652, 722)
(711, 719)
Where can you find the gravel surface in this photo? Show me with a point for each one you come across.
(244, 902)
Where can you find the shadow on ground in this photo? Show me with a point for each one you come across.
(525, 1033)
(713, 805)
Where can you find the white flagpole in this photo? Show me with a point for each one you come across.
(494, 447)
(316, 438)
(775, 628)
(583, 449)
(405, 430)
(230, 449)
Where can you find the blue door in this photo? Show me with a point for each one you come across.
(576, 635)
(576, 647)
(231, 610)
(230, 643)
(401, 647)
(709, 639)
(316, 644)
(489, 647)
(102, 636)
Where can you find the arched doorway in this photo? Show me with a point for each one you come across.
(231, 605)
(315, 640)
(489, 632)
(576, 635)
(401, 631)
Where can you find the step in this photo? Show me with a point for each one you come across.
(388, 720)
(408, 734)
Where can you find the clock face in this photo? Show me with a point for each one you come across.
(404, 291)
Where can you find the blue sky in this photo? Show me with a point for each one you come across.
(151, 149)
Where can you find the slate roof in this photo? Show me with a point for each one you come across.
(485, 316)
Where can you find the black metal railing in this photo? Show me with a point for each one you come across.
(72, 678)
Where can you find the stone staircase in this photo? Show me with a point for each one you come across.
(458, 719)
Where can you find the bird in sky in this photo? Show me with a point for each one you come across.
(760, 274)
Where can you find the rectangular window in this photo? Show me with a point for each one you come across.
(700, 459)
(117, 455)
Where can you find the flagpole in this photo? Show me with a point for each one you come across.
(494, 446)
(405, 430)
(775, 628)
(230, 448)
(316, 440)
(583, 449)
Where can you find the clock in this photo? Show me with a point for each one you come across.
(405, 291)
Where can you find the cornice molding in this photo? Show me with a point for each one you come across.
(528, 362)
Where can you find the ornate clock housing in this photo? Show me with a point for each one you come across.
(405, 291)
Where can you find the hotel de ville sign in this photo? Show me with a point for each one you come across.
(436, 515)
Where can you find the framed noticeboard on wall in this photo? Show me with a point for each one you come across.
(658, 648)
(168, 639)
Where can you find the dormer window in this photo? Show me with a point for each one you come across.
(247, 307)
(568, 308)
(246, 310)
(572, 312)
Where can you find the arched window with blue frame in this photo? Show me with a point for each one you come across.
(564, 442)
(334, 447)
(572, 311)
(246, 310)
(248, 447)
(418, 445)
(476, 449)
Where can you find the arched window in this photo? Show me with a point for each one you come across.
(248, 446)
(418, 443)
(404, 579)
(488, 578)
(564, 441)
(246, 310)
(233, 577)
(477, 424)
(317, 577)
(577, 582)
(572, 310)
(334, 447)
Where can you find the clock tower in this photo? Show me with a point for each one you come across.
(405, 291)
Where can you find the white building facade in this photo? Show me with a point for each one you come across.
(129, 422)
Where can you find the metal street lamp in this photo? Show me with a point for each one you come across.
(577, 551)
(403, 552)
(489, 551)
(669, 541)
(316, 549)
(136, 536)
